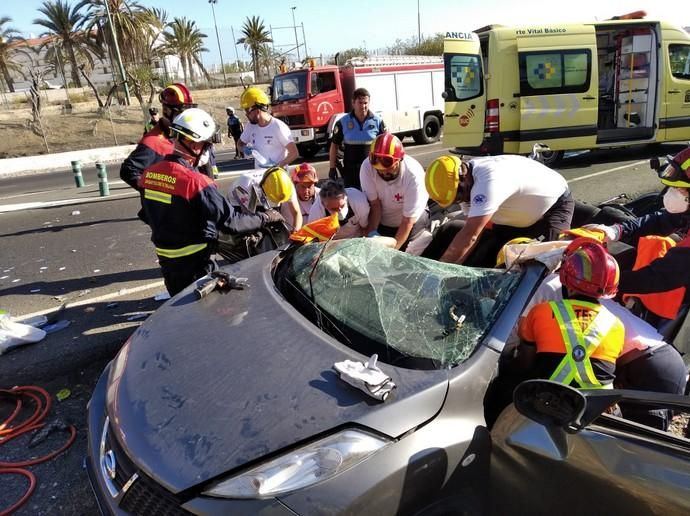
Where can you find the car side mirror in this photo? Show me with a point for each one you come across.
(654, 163)
(551, 404)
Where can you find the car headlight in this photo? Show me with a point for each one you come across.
(300, 468)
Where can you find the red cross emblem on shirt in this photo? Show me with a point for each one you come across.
(398, 197)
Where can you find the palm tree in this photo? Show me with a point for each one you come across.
(268, 59)
(64, 22)
(184, 39)
(255, 35)
(9, 37)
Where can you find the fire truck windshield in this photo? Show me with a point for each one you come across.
(290, 86)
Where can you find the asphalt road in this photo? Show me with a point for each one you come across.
(96, 255)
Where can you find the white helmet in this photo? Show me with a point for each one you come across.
(230, 109)
(194, 124)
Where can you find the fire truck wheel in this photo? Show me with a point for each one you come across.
(308, 150)
(430, 132)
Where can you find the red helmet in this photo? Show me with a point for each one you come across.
(590, 270)
(385, 151)
(177, 96)
(304, 173)
(677, 172)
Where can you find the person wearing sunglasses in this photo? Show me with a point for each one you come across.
(394, 185)
(519, 196)
(666, 269)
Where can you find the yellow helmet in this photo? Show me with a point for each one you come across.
(501, 256)
(442, 179)
(277, 185)
(253, 96)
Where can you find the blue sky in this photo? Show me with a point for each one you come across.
(331, 26)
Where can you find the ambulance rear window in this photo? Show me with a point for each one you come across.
(463, 79)
(554, 72)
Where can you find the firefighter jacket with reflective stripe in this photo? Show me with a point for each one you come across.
(185, 209)
(658, 223)
(152, 148)
(568, 332)
(659, 269)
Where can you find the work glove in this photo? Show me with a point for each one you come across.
(271, 216)
(247, 149)
(612, 233)
(333, 173)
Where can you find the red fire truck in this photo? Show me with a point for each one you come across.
(405, 91)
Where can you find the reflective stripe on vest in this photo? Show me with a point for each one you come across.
(182, 251)
(576, 364)
(154, 195)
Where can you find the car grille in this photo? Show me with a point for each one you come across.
(144, 497)
(293, 119)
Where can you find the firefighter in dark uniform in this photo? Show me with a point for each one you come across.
(184, 207)
(158, 142)
(356, 131)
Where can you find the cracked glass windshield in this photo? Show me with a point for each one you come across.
(419, 307)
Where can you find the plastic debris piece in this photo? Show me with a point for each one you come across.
(82, 293)
(43, 268)
(4, 277)
(76, 212)
(36, 321)
(112, 305)
(74, 250)
(137, 317)
(63, 394)
(97, 270)
(16, 280)
(56, 326)
(62, 268)
(33, 291)
(162, 296)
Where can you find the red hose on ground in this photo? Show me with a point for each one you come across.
(41, 400)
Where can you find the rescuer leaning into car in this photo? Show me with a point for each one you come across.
(185, 209)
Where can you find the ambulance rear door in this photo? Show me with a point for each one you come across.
(464, 93)
(558, 87)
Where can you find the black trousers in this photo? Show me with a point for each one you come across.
(659, 370)
(180, 272)
(556, 220)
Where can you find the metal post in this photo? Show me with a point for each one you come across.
(419, 26)
(237, 55)
(295, 27)
(222, 65)
(76, 170)
(304, 41)
(103, 187)
(118, 57)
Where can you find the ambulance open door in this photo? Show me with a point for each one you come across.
(464, 93)
(558, 88)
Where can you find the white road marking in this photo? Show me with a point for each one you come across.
(595, 174)
(97, 299)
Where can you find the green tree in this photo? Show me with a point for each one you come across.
(348, 54)
(9, 37)
(184, 39)
(64, 22)
(268, 59)
(255, 35)
(432, 46)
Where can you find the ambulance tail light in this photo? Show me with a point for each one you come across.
(491, 124)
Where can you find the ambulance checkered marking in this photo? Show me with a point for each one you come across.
(463, 74)
(544, 71)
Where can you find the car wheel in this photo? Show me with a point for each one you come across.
(430, 131)
(308, 150)
(551, 158)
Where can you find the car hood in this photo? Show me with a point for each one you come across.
(206, 386)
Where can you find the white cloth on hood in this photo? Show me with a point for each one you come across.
(366, 377)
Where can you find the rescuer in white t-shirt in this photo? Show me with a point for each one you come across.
(519, 196)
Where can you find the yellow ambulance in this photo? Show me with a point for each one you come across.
(611, 83)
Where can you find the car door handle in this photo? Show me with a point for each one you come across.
(673, 91)
(588, 97)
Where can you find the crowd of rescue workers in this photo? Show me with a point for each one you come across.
(575, 330)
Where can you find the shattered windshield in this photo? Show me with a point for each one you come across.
(291, 86)
(419, 307)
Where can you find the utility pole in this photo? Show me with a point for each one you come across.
(118, 57)
(222, 65)
(237, 55)
(304, 42)
(294, 26)
(419, 26)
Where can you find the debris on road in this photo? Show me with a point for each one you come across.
(63, 394)
(13, 334)
(76, 212)
(162, 296)
(56, 326)
(112, 305)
